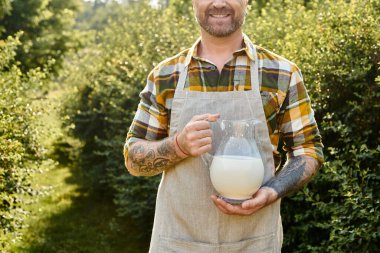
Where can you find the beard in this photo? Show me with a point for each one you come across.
(217, 29)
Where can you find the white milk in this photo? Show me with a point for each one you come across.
(236, 177)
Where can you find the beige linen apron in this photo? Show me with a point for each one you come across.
(186, 220)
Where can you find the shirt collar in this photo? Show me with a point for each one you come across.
(192, 52)
(249, 49)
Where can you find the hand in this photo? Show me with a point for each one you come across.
(263, 197)
(195, 138)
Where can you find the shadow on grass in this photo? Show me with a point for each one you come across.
(88, 226)
(86, 222)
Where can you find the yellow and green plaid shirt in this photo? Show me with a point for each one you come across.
(286, 103)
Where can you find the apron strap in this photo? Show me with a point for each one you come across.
(182, 77)
(255, 84)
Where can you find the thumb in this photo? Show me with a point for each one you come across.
(213, 117)
(258, 200)
(248, 204)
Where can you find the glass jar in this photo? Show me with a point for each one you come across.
(237, 170)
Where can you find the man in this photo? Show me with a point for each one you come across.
(223, 75)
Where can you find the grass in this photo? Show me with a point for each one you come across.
(71, 219)
(65, 215)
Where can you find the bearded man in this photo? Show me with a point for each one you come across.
(222, 76)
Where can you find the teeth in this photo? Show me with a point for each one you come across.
(220, 16)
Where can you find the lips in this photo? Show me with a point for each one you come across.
(219, 15)
(219, 12)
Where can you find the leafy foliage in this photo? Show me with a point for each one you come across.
(34, 37)
(5, 6)
(47, 30)
(20, 150)
(108, 81)
(337, 47)
(335, 43)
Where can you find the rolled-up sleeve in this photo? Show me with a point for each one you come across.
(150, 121)
(298, 127)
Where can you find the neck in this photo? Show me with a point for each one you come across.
(219, 49)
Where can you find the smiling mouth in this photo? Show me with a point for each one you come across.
(219, 15)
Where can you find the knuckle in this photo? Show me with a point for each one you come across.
(198, 153)
(190, 136)
(187, 128)
(192, 151)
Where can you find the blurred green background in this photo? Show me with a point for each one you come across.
(70, 75)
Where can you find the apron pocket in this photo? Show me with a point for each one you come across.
(260, 244)
(171, 245)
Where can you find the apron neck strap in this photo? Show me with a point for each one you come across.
(182, 77)
(254, 68)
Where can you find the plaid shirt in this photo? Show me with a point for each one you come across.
(286, 103)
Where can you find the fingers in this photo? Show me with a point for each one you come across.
(213, 117)
(262, 198)
(195, 139)
(198, 125)
(203, 142)
(205, 133)
(202, 150)
(221, 208)
(197, 143)
(254, 204)
(229, 209)
(202, 137)
(207, 117)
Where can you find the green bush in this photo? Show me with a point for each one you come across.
(20, 150)
(107, 79)
(47, 27)
(35, 35)
(335, 43)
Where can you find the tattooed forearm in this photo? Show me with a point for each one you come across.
(147, 158)
(296, 173)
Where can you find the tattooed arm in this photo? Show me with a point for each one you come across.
(149, 158)
(296, 173)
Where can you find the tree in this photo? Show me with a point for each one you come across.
(47, 30)
(335, 43)
(5, 7)
(20, 150)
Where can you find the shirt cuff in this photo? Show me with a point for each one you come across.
(315, 152)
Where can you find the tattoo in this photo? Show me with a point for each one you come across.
(296, 173)
(147, 158)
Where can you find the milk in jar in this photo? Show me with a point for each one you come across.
(236, 177)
